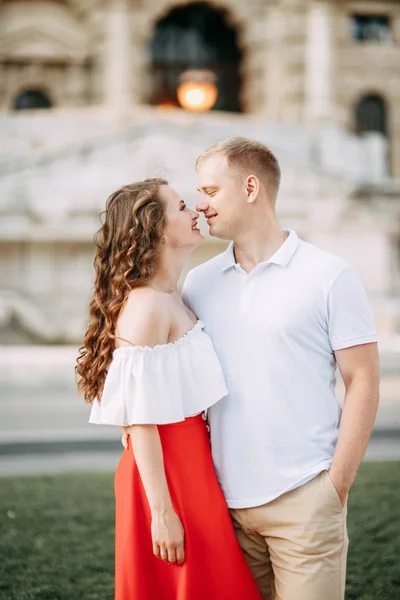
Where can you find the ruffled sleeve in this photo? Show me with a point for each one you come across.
(161, 385)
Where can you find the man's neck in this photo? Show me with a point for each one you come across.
(259, 246)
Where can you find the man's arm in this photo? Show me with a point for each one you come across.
(359, 367)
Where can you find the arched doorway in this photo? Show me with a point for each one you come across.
(371, 114)
(29, 99)
(193, 37)
(371, 117)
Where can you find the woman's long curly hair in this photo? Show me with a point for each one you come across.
(128, 253)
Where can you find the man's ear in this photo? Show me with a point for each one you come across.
(252, 188)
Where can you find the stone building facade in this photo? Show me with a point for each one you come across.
(302, 61)
(314, 75)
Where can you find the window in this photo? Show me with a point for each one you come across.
(370, 114)
(371, 28)
(31, 99)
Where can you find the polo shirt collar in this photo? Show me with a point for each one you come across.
(281, 257)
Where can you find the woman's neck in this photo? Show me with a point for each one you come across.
(167, 276)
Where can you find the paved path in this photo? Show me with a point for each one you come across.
(44, 423)
(106, 460)
(56, 413)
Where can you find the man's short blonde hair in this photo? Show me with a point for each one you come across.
(249, 157)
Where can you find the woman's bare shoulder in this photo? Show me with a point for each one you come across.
(145, 319)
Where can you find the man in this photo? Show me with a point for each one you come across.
(283, 314)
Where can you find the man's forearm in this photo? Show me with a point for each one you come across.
(358, 416)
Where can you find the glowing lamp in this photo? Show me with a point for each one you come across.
(197, 90)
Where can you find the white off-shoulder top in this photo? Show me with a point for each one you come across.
(161, 385)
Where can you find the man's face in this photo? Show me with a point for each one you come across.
(222, 197)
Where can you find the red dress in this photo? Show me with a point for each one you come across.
(163, 386)
(214, 567)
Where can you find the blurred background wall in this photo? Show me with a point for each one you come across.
(97, 94)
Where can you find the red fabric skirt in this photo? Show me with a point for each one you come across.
(214, 567)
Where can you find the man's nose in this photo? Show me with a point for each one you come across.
(202, 205)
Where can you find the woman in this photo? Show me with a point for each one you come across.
(147, 365)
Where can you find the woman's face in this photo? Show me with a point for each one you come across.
(181, 230)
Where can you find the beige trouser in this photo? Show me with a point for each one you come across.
(296, 545)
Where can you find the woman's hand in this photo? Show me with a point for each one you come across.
(124, 438)
(168, 536)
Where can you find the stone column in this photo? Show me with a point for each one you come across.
(318, 62)
(275, 75)
(117, 55)
(76, 84)
(2, 87)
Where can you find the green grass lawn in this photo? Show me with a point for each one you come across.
(57, 536)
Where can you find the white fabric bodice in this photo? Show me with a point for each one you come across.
(161, 385)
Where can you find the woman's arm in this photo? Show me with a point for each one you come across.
(166, 528)
(145, 321)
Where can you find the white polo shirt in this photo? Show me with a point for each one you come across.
(275, 331)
